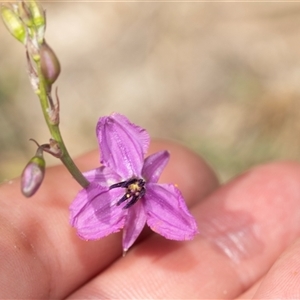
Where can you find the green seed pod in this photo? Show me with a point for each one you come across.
(33, 175)
(14, 24)
(50, 65)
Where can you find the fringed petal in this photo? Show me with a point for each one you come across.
(122, 145)
(135, 222)
(94, 212)
(167, 213)
(154, 165)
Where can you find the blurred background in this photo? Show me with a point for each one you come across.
(221, 78)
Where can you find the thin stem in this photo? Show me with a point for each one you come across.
(55, 132)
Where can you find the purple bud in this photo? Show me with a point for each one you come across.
(49, 64)
(33, 175)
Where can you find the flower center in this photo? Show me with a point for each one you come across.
(135, 190)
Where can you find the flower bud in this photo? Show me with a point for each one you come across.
(50, 65)
(38, 14)
(33, 174)
(14, 24)
(25, 14)
(38, 18)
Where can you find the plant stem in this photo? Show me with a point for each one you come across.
(55, 132)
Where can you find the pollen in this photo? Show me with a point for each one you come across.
(135, 190)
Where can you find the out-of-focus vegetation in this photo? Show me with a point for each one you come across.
(223, 78)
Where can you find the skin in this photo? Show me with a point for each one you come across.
(248, 246)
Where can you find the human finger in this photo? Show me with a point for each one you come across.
(250, 292)
(283, 279)
(41, 256)
(245, 225)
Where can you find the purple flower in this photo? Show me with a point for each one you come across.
(124, 193)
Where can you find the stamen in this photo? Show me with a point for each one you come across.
(125, 197)
(124, 184)
(135, 190)
(135, 198)
(119, 184)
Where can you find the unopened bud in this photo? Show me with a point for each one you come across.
(25, 14)
(14, 24)
(33, 174)
(38, 18)
(37, 12)
(50, 65)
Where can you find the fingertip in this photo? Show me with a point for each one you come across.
(272, 183)
(253, 218)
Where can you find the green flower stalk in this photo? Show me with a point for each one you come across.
(26, 21)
